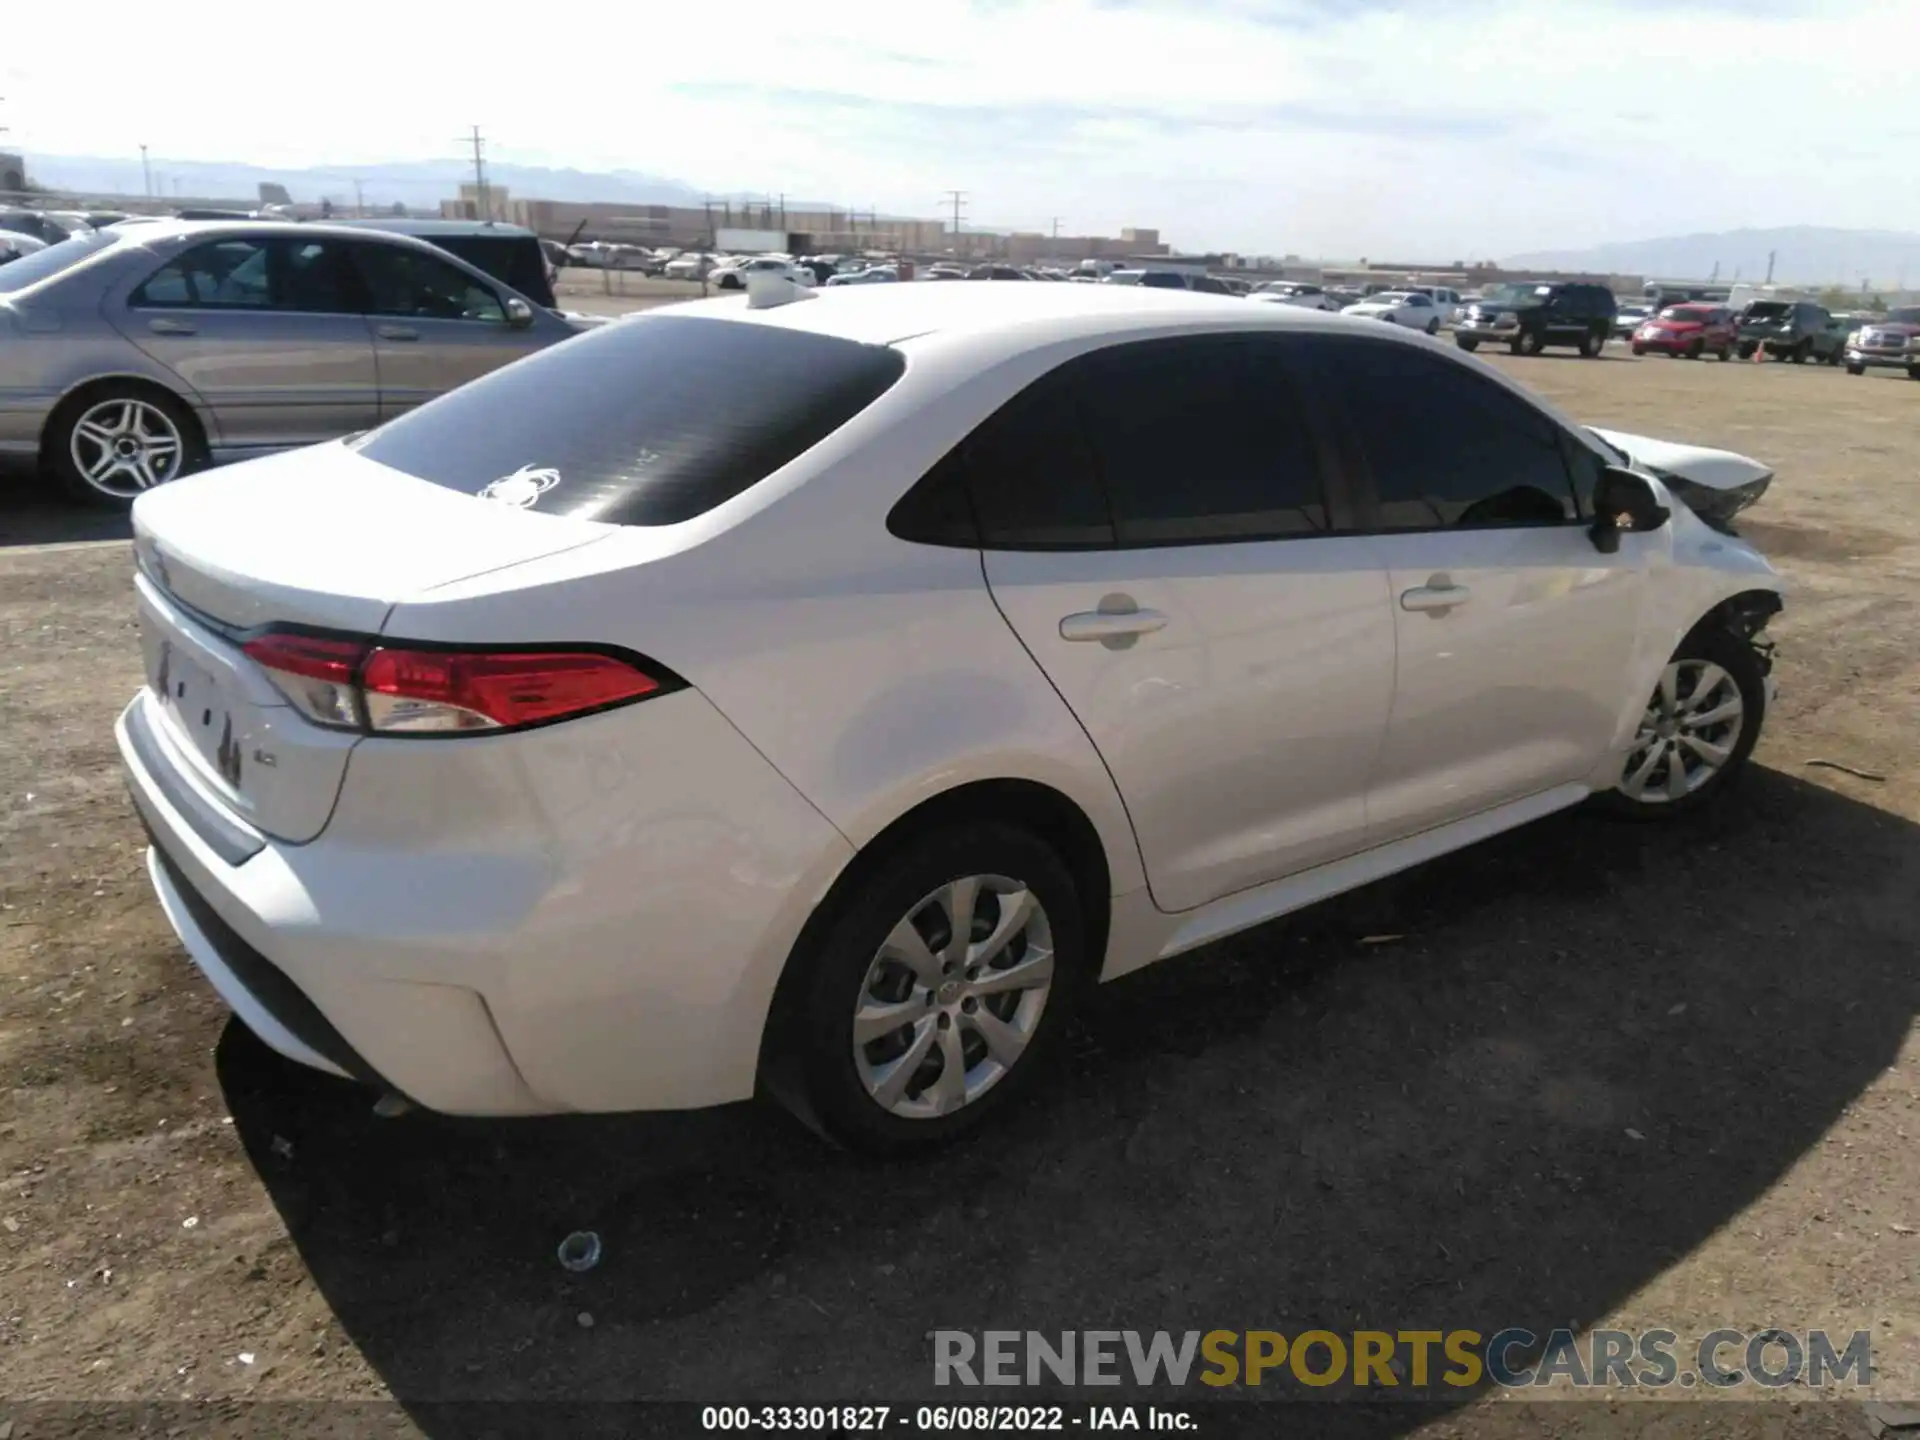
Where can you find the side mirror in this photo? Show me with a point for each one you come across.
(1621, 496)
(519, 313)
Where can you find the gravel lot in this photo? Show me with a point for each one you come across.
(1604, 1075)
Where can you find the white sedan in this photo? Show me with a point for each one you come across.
(1401, 307)
(734, 274)
(872, 275)
(833, 743)
(1289, 292)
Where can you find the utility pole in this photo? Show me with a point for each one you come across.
(958, 198)
(783, 209)
(479, 145)
(1770, 255)
(146, 171)
(359, 199)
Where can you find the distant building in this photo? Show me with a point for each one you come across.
(13, 172)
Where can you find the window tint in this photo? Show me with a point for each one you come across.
(640, 423)
(1031, 474)
(269, 274)
(418, 284)
(1444, 446)
(1199, 440)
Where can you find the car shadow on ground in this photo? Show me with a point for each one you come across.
(33, 512)
(1507, 1088)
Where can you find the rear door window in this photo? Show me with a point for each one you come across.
(304, 276)
(1193, 451)
(646, 422)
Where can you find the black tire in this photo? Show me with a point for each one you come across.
(1433, 327)
(1639, 349)
(1713, 643)
(1592, 345)
(1913, 372)
(818, 1041)
(1726, 353)
(1856, 369)
(56, 448)
(1747, 349)
(1801, 352)
(1529, 342)
(1466, 344)
(1696, 350)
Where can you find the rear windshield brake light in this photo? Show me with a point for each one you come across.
(349, 683)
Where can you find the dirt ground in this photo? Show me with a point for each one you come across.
(1603, 1075)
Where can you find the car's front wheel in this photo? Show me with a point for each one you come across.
(1466, 343)
(1529, 342)
(937, 994)
(1853, 369)
(1699, 728)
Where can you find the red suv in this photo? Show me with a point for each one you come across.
(1689, 330)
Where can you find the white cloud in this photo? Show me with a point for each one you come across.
(1442, 129)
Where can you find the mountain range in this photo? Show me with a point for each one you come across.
(419, 184)
(1795, 254)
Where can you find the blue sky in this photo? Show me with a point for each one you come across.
(1433, 128)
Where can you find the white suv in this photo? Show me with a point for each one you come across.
(602, 737)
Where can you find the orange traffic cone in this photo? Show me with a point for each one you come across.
(1760, 352)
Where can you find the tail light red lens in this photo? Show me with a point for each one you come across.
(441, 690)
(317, 675)
(353, 684)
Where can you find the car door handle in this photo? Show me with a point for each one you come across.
(172, 327)
(397, 332)
(1110, 624)
(1439, 593)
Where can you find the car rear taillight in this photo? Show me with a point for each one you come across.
(318, 675)
(353, 684)
(452, 690)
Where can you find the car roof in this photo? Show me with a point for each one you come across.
(400, 225)
(1024, 314)
(160, 229)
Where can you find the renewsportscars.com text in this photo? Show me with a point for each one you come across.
(1410, 1359)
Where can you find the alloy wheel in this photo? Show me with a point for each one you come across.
(1689, 733)
(953, 996)
(124, 446)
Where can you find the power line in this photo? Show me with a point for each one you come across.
(958, 199)
(474, 139)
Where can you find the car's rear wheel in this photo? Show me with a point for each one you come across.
(1913, 372)
(940, 990)
(1433, 327)
(1593, 344)
(1699, 728)
(107, 445)
(1696, 350)
(1853, 369)
(1725, 352)
(1801, 351)
(1748, 349)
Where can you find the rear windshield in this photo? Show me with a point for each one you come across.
(1768, 310)
(642, 422)
(31, 269)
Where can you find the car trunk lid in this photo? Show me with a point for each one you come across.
(317, 539)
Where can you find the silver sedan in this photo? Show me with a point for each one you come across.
(132, 355)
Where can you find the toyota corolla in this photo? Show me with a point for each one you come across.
(594, 738)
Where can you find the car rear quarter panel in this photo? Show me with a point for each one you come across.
(871, 672)
(57, 338)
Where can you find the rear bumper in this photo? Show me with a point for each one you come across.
(1674, 344)
(549, 922)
